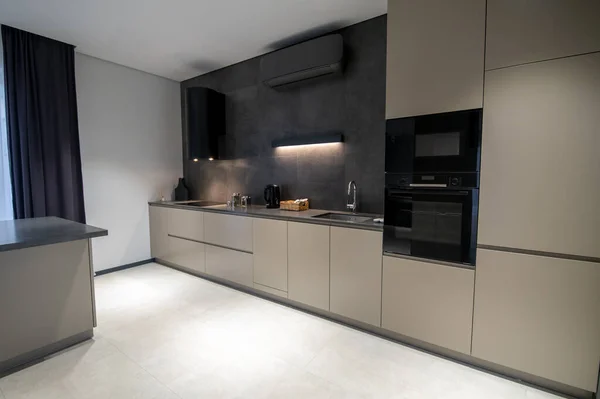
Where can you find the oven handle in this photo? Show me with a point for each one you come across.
(394, 192)
(433, 185)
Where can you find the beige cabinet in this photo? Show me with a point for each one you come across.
(228, 230)
(427, 301)
(46, 294)
(435, 56)
(540, 166)
(270, 290)
(539, 315)
(230, 265)
(270, 247)
(186, 224)
(159, 239)
(520, 31)
(308, 264)
(186, 253)
(356, 274)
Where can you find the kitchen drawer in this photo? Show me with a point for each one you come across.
(230, 265)
(186, 253)
(270, 290)
(186, 224)
(228, 230)
(427, 301)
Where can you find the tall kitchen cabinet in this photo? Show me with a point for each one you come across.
(355, 284)
(520, 32)
(271, 256)
(540, 315)
(540, 164)
(538, 312)
(435, 56)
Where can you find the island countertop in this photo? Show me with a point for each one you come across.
(26, 233)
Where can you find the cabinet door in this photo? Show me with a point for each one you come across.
(186, 253)
(435, 56)
(308, 264)
(539, 315)
(186, 224)
(159, 218)
(427, 301)
(230, 265)
(270, 253)
(228, 230)
(520, 31)
(356, 274)
(540, 164)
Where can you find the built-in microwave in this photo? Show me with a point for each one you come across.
(438, 143)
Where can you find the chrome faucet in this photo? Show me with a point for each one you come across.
(352, 190)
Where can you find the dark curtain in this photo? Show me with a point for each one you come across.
(43, 132)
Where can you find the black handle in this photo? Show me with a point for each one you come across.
(394, 192)
(267, 197)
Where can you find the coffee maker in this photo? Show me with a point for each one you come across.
(272, 195)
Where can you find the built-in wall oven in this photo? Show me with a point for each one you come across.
(432, 186)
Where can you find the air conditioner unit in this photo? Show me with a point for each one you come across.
(303, 62)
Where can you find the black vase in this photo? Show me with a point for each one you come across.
(182, 193)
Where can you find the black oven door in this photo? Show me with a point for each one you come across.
(448, 142)
(432, 224)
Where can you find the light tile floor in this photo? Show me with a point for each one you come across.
(165, 334)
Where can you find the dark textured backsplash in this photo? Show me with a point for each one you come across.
(352, 104)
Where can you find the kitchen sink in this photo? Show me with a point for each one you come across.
(344, 217)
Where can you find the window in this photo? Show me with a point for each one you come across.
(6, 211)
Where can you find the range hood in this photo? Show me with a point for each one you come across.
(303, 62)
(205, 122)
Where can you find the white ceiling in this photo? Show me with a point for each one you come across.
(179, 39)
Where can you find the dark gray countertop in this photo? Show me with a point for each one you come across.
(26, 233)
(262, 212)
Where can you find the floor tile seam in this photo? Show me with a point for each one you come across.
(322, 347)
(145, 370)
(335, 384)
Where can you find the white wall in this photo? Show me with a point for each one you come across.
(130, 132)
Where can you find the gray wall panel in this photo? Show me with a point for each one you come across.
(353, 104)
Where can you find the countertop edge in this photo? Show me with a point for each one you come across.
(51, 241)
(290, 218)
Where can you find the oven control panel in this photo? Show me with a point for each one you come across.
(437, 180)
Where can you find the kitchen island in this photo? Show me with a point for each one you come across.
(46, 288)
